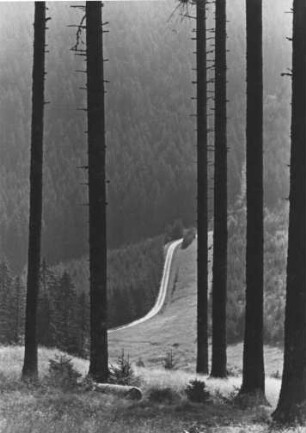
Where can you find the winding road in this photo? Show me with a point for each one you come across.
(162, 290)
(165, 283)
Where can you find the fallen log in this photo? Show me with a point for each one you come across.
(130, 392)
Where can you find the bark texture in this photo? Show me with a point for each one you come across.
(218, 368)
(98, 368)
(202, 335)
(30, 366)
(253, 357)
(293, 390)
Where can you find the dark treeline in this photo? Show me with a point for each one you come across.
(150, 74)
(275, 253)
(134, 277)
(134, 274)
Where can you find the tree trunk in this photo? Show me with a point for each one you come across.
(202, 335)
(293, 390)
(253, 358)
(220, 201)
(97, 192)
(30, 366)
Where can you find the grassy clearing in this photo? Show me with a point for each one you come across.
(175, 328)
(164, 407)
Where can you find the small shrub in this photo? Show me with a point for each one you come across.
(188, 238)
(196, 391)
(169, 362)
(163, 395)
(122, 373)
(62, 373)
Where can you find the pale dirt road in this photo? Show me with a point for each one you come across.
(162, 290)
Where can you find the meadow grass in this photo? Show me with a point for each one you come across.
(164, 408)
(44, 408)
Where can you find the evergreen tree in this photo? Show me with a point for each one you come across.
(17, 310)
(253, 359)
(12, 304)
(45, 328)
(202, 185)
(47, 291)
(5, 303)
(98, 368)
(202, 305)
(30, 366)
(292, 399)
(83, 324)
(64, 314)
(219, 283)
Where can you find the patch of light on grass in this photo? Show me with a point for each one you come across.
(11, 361)
(272, 391)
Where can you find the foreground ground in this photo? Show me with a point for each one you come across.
(48, 408)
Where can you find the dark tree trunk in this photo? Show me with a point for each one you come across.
(218, 368)
(30, 366)
(293, 390)
(253, 358)
(202, 335)
(98, 368)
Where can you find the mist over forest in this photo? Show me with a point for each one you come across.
(150, 131)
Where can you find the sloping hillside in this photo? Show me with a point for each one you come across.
(150, 133)
(175, 327)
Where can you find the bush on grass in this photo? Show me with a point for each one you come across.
(196, 391)
(123, 373)
(62, 373)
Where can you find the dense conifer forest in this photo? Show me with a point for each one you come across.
(150, 76)
(134, 274)
(153, 199)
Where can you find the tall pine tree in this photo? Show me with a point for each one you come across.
(292, 399)
(202, 319)
(202, 185)
(253, 358)
(98, 368)
(30, 366)
(219, 283)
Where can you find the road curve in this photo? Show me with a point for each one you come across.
(162, 290)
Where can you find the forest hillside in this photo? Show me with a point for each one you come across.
(174, 329)
(150, 131)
